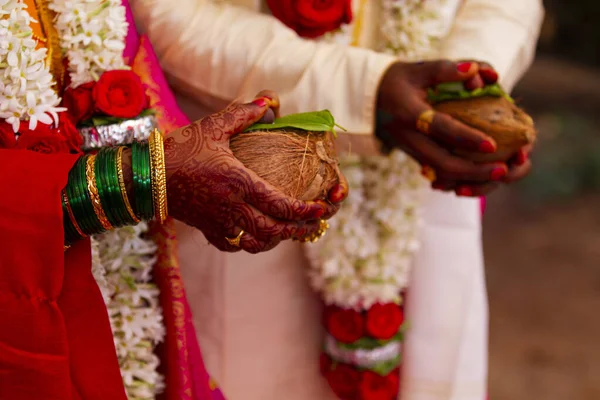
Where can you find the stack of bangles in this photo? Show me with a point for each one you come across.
(95, 199)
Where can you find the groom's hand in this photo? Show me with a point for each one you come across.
(211, 190)
(402, 100)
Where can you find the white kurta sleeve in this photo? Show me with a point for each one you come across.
(217, 51)
(503, 33)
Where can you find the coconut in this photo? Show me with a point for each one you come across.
(302, 163)
(492, 112)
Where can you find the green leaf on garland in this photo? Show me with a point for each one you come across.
(386, 367)
(456, 91)
(369, 343)
(318, 121)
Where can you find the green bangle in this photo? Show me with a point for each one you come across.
(82, 207)
(76, 197)
(107, 182)
(142, 183)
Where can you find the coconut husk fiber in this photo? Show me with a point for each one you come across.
(497, 117)
(302, 164)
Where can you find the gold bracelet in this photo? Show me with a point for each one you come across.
(90, 173)
(122, 185)
(71, 215)
(158, 173)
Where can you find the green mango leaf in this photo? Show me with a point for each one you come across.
(318, 121)
(386, 367)
(101, 120)
(456, 91)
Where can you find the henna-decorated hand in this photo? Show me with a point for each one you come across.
(211, 190)
(402, 98)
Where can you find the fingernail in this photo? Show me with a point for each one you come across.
(464, 67)
(522, 157)
(337, 194)
(318, 213)
(464, 191)
(487, 147)
(263, 101)
(488, 75)
(498, 173)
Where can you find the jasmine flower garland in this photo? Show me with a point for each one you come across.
(26, 92)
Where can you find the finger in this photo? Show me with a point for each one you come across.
(476, 190)
(435, 72)
(252, 245)
(475, 82)
(446, 165)
(444, 185)
(487, 73)
(518, 172)
(274, 203)
(339, 192)
(221, 243)
(275, 105)
(454, 133)
(264, 227)
(234, 119)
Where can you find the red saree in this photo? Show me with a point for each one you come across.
(55, 340)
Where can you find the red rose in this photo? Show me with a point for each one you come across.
(8, 139)
(312, 18)
(43, 139)
(70, 133)
(344, 381)
(376, 387)
(120, 94)
(345, 325)
(384, 320)
(79, 102)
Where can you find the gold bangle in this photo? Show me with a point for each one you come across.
(90, 173)
(71, 215)
(159, 175)
(122, 185)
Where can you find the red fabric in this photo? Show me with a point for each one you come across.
(55, 341)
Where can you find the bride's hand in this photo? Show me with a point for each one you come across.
(211, 190)
(402, 98)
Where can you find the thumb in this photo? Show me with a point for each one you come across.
(435, 72)
(236, 118)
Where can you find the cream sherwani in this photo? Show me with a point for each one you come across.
(257, 320)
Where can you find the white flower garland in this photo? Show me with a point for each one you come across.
(367, 255)
(92, 33)
(122, 263)
(26, 92)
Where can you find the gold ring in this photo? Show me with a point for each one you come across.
(323, 226)
(236, 240)
(428, 173)
(425, 120)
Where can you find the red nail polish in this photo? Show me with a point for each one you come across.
(488, 75)
(260, 102)
(464, 67)
(498, 173)
(487, 147)
(337, 194)
(318, 213)
(464, 191)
